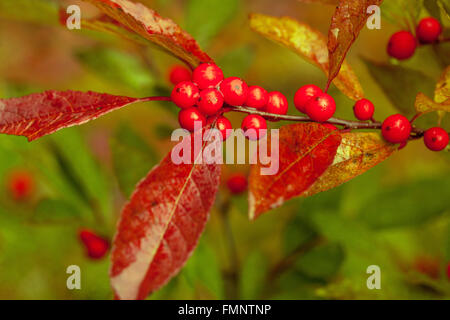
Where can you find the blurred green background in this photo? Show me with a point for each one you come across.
(395, 216)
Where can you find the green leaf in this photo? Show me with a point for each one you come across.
(132, 158)
(298, 231)
(39, 11)
(237, 61)
(432, 7)
(402, 12)
(253, 276)
(55, 211)
(116, 66)
(407, 205)
(205, 18)
(394, 79)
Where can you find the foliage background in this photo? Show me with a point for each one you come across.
(395, 216)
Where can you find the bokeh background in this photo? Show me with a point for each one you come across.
(395, 216)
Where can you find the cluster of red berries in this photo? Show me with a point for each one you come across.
(95, 245)
(318, 105)
(403, 44)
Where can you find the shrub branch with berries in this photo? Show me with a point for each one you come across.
(162, 222)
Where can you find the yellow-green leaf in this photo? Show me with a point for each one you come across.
(424, 105)
(442, 92)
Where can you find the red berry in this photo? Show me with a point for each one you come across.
(190, 118)
(20, 185)
(428, 30)
(448, 271)
(304, 94)
(277, 103)
(329, 126)
(436, 139)
(96, 246)
(257, 97)
(207, 75)
(402, 45)
(237, 183)
(179, 74)
(396, 129)
(254, 126)
(210, 101)
(223, 125)
(234, 90)
(364, 109)
(185, 94)
(321, 108)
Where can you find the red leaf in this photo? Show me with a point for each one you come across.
(306, 151)
(151, 26)
(348, 20)
(39, 114)
(161, 225)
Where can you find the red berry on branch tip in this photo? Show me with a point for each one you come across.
(95, 245)
(191, 118)
(234, 90)
(436, 139)
(277, 103)
(321, 108)
(185, 94)
(254, 127)
(237, 183)
(428, 30)
(304, 95)
(210, 101)
(364, 109)
(396, 129)
(257, 97)
(207, 75)
(179, 74)
(402, 45)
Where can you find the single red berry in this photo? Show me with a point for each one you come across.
(237, 183)
(428, 30)
(210, 101)
(364, 109)
(257, 97)
(179, 74)
(329, 126)
(402, 45)
(277, 103)
(436, 139)
(396, 129)
(207, 75)
(191, 119)
(254, 127)
(428, 266)
(304, 94)
(20, 185)
(234, 90)
(185, 94)
(222, 124)
(96, 246)
(448, 271)
(321, 108)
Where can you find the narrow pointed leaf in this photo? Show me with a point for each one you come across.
(149, 25)
(357, 153)
(310, 44)
(39, 114)
(161, 225)
(348, 20)
(306, 150)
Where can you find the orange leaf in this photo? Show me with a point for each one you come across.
(425, 105)
(357, 153)
(305, 152)
(310, 44)
(151, 26)
(348, 20)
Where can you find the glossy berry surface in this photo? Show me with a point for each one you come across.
(396, 129)
(257, 97)
(237, 183)
(210, 101)
(179, 74)
(207, 75)
(428, 30)
(96, 246)
(304, 95)
(191, 119)
(402, 45)
(234, 90)
(321, 108)
(185, 94)
(223, 125)
(252, 125)
(277, 103)
(364, 109)
(20, 185)
(436, 139)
